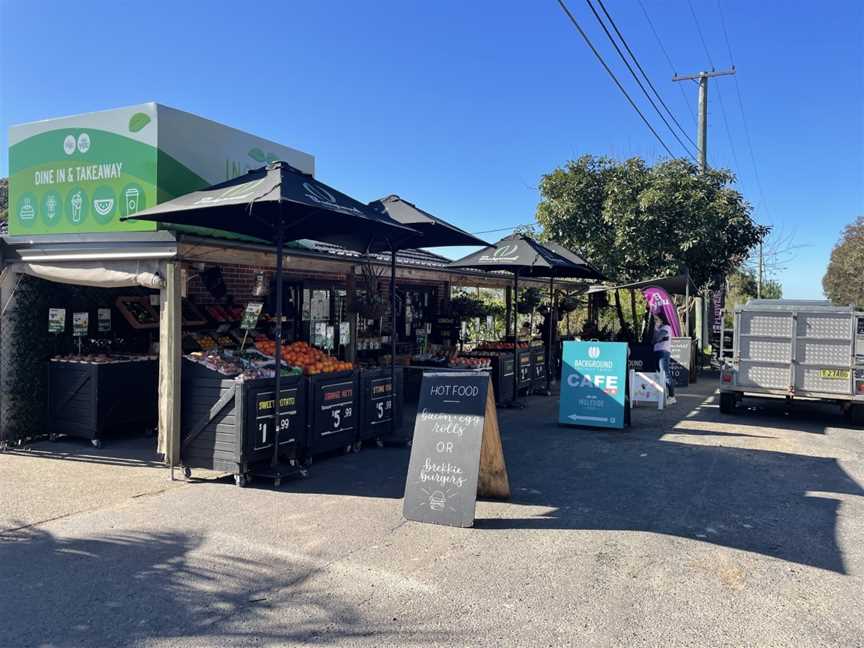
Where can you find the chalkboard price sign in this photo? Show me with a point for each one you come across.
(456, 452)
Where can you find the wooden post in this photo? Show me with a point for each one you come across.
(170, 358)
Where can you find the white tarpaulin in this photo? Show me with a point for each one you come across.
(99, 274)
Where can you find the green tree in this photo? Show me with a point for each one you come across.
(4, 198)
(742, 285)
(843, 282)
(634, 221)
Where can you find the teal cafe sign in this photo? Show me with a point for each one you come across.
(594, 384)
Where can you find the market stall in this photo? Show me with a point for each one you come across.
(524, 257)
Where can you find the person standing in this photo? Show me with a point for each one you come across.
(663, 350)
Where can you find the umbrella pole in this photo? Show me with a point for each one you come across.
(515, 337)
(393, 335)
(549, 343)
(280, 235)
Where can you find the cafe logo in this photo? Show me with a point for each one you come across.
(503, 253)
(594, 352)
(69, 145)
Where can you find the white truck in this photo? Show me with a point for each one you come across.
(797, 349)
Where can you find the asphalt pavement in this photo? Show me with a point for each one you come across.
(690, 529)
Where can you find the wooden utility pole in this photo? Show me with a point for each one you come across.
(702, 128)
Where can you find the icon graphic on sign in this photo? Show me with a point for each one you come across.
(51, 206)
(83, 143)
(132, 196)
(594, 352)
(26, 211)
(77, 203)
(437, 501)
(103, 206)
(69, 145)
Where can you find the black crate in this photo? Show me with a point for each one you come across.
(228, 425)
(333, 412)
(380, 411)
(538, 362)
(92, 401)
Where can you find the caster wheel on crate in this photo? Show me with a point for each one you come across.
(358, 445)
(349, 448)
(53, 437)
(277, 482)
(307, 462)
(187, 472)
(379, 442)
(96, 443)
(303, 473)
(240, 480)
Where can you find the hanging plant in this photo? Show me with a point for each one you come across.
(568, 304)
(368, 301)
(464, 307)
(529, 301)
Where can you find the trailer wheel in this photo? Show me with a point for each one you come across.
(96, 443)
(727, 402)
(856, 414)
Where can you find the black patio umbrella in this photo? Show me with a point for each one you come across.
(279, 203)
(526, 257)
(435, 231)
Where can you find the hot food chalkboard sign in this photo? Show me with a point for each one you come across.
(456, 451)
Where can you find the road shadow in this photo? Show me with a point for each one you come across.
(126, 588)
(122, 450)
(756, 500)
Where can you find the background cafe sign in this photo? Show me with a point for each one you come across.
(594, 384)
(507, 253)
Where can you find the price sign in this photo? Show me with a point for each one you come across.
(56, 320)
(103, 317)
(251, 315)
(264, 406)
(382, 402)
(80, 324)
(336, 413)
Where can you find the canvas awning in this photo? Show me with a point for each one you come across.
(97, 274)
(434, 231)
(677, 285)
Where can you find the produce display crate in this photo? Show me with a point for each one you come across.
(333, 412)
(228, 425)
(381, 413)
(93, 400)
(538, 362)
(502, 375)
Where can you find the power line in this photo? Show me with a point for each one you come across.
(699, 31)
(501, 229)
(636, 78)
(743, 116)
(614, 78)
(642, 71)
(726, 125)
(668, 60)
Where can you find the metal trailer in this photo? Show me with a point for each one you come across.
(795, 349)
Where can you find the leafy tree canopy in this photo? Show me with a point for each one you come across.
(844, 280)
(636, 221)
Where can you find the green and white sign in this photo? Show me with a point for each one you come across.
(251, 315)
(83, 173)
(56, 320)
(80, 324)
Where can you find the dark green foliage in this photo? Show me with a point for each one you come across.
(844, 281)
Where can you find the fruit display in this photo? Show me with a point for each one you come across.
(249, 365)
(103, 358)
(305, 357)
(501, 346)
(471, 363)
(138, 312)
(205, 342)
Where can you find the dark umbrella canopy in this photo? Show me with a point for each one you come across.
(252, 204)
(526, 257)
(435, 231)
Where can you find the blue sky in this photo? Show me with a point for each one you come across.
(461, 106)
